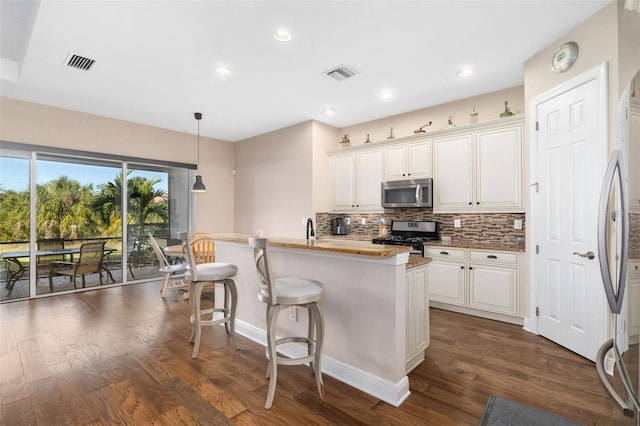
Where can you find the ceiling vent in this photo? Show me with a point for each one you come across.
(79, 62)
(341, 73)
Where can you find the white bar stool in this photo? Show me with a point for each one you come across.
(201, 275)
(282, 293)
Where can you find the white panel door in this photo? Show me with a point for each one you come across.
(571, 156)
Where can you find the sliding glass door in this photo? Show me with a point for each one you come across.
(90, 219)
(14, 224)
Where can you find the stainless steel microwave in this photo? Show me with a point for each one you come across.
(408, 193)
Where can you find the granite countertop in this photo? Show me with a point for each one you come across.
(416, 260)
(344, 246)
(474, 244)
(480, 245)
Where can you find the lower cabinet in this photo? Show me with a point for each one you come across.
(417, 316)
(477, 280)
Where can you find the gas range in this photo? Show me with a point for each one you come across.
(411, 233)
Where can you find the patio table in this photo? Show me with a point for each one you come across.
(15, 256)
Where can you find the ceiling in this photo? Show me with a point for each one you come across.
(155, 60)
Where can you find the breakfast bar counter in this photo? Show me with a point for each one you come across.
(364, 306)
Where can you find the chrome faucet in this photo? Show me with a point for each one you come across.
(310, 226)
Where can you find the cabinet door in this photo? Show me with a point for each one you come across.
(493, 288)
(498, 178)
(453, 173)
(446, 282)
(419, 159)
(421, 307)
(368, 180)
(417, 316)
(343, 186)
(395, 167)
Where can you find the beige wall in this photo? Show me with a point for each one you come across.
(36, 124)
(597, 40)
(273, 183)
(325, 138)
(488, 106)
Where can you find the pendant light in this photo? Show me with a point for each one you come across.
(198, 186)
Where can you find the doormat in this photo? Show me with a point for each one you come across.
(499, 412)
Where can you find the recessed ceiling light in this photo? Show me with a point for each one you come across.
(328, 111)
(223, 70)
(282, 35)
(466, 72)
(385, 95)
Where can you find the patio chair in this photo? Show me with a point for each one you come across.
(44, 262)
(114, 260)
(172, 275)
(89, 262)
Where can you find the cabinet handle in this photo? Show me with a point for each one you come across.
(444, 252)
(491, 256)
(470, 267)
(462, 267)
(470, 203)
(477, 202)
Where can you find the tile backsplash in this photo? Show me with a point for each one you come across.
(489, 227)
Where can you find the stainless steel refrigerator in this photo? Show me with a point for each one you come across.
(618, 360)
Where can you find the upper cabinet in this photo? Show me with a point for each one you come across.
(475, 168)
(410, 160)
(356, 179)
(479, 171)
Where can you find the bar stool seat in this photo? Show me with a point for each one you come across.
(282, 293)
(208, 275)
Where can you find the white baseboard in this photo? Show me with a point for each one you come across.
(389, 392)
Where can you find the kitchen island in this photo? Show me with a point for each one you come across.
(364, 307)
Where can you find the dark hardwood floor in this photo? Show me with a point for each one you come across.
(119, 356)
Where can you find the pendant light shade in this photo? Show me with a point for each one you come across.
(198, 186)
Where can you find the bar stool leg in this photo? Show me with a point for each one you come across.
(318, 321)
(232, 291)
(197, 294)
(272, 370)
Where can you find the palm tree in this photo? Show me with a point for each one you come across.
(64, 209)
(14, 215)
(146, 204)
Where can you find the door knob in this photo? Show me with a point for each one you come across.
(589, 255)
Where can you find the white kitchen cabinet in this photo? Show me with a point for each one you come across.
(475, 280)
(633, 297)
(408, 160)
(453, 157)
(479, 171)
(446, 275)
(493, 288)
(356, 179)
(417, 316)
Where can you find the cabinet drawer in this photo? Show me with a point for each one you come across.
(493, 256)
(445, 253)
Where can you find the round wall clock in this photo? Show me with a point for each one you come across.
(564, 57)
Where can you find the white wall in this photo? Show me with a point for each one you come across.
(325, 138)
(273, 183)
